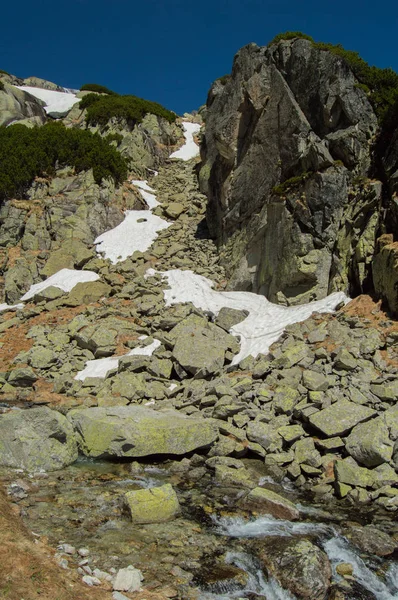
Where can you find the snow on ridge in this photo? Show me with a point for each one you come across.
(56, 103)
(190, 149)
(65, 279)
(265, 322)
(100, 367)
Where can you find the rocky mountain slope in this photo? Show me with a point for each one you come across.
(299, 185)
(152, 417)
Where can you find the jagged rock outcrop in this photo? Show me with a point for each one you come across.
(285, 155)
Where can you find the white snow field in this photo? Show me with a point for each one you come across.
(137, 232)
(100, 367)
(57, 104)
(146, 192)
(65, 279)
(266, 321)
(190, 149)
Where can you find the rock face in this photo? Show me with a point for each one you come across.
(36, 439)
(136, 431)
(17, 105)
(279, 167)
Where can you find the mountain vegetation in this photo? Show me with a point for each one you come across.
(95, 87)
(381, 85)
(26, 153)
(100, 109)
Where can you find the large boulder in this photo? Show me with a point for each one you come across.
(34, 439)
(200, 347)
(263, 501)
(153, 505)
(299, 565)
(135, 431)
(340, 417)
(369, 443)
(284, 133)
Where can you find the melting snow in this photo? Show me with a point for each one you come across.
(56, 103)
(266, 321)
(137, 232)
(147, 193)
(66, 279)
(100, 367)
(4, 307)
(190, 149)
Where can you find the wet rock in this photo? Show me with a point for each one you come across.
(339, 418)
(299, 565)
(261, 500)
(369, 443)
(153, 505)
(38, 438)
(134, 431)
(372, 540)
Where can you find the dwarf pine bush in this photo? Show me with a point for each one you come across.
(26, 153)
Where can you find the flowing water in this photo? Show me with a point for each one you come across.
(82, 505)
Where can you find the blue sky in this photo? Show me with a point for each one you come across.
(170, 51)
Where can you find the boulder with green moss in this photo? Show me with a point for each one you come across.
(135, 431)
(153, 505)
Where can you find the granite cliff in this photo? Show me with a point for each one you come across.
(298, 183)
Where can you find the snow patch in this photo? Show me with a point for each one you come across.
(100, 367)
(57, 104)
(65, 279)
(190, 149)
(146, 192)
(137, 232)
(4, 307)
(266, 321)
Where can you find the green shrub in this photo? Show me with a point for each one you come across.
(114, 137)
(291, 35)
(95, 87)
(224, 79)
(100, 109)
(380, 84)
(26, 153)
(3, 72)
(1, 86)
(292, 183)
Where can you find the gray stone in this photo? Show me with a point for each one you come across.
(315, 381)
(261, 500)
(134, 431)
(349, 472)
(340, 418)
(228, 317)
(385, 391)
(37, 438)
(128, 580)
(369, 443)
